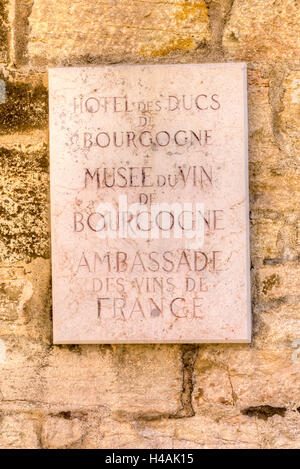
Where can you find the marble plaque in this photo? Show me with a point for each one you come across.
(149, 204)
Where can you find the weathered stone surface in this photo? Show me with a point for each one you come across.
(277, 282)
(20, 373)
(228, 430)
(60, 32)
(18, 431)
(24, 231)
(218, 12)
(13, 296)
(110, 431)
(61, 431)
(125, 380)
(259, 109)
(262, 30)
(25, 300)
(269, 331)
(274, 188)
(4, 31)
(25, 107)
(266, 232)
(290, 115)
(22, 10)
(205, 432)
(247, 378)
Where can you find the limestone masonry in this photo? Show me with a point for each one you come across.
(149, 396)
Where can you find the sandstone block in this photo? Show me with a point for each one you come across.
(278, 328)
(60, 32)
(127, 380)
(18, 431)
(25, 107)
(246, 378)
(25, 300)
(4, 30)
(61, 432)
(262, 30)
(277, 282)
(24, 231)
(290, 116)
(20, 373)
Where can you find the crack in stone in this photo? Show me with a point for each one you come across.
(276, 94)
(233, 394)
(217, 22)
(188, 358)
(189, 355)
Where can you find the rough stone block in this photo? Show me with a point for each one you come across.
(25, 107)
(262, 29)
(20, 373)
(13, 296)
(259, 110)
(18, 431)
(24, 231)
(25, 300)
(264, 237)
(221, 430)
(254, 378)
(60, 32)
(290, 115)
(278, 327)
(61, 432)
(274, 189)
(4, 30)
(127, 380)
(276, 282)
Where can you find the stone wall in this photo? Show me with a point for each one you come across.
(149, 396)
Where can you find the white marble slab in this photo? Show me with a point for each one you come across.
(149, 204)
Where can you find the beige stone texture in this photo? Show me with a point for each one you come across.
(148, 385)
(4, 31)
(89, 396)
(269, 322)
(290, 114)
(19, 431)
(249, 378)
(61, 431)
(262, 29)
(260, 112)
(89, 29)
(277, 282)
